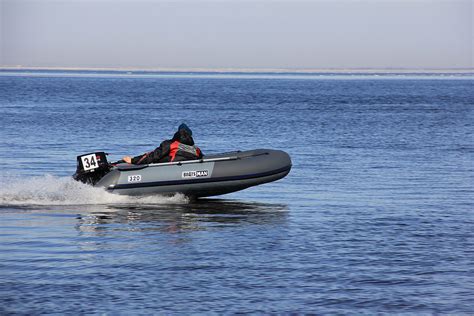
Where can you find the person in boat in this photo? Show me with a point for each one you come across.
(180, 147)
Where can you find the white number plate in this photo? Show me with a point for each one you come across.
(135, 178)
(89, 162)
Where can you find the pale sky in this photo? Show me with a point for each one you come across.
(261, 34)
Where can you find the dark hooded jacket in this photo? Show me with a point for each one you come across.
(180, 147)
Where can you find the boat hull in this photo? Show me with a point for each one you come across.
(214, 175)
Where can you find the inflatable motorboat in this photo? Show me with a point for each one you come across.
(213, 175)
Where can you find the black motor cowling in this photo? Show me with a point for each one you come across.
(91, 167)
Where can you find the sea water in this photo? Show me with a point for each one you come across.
(376, 215)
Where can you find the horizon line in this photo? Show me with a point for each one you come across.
(249, 70)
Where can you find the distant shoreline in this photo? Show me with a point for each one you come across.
(251, 70)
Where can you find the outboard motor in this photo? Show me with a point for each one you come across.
(91, 167)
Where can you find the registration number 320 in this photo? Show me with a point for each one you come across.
(135, 178)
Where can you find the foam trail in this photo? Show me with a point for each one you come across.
(52, 190)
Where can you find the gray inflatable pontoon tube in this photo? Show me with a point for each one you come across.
(212, 175)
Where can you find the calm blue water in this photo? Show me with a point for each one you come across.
(376, 216)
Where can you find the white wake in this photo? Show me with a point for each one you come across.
(52, 190)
